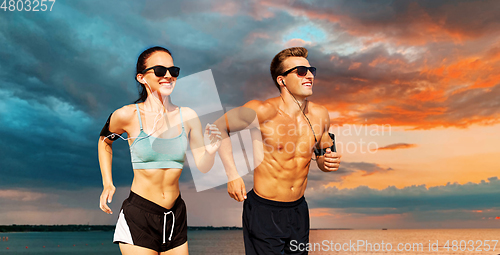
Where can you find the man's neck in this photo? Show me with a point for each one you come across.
(292, 106)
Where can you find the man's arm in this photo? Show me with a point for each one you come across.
(235, 120)
(330, 161)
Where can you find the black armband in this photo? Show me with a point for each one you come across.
(106, 133)
(333, 148)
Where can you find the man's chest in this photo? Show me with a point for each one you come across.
(284, 133)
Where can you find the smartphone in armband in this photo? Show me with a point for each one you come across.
(333, 147)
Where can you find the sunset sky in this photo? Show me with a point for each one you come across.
(412, 88)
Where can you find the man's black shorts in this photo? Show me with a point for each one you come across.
(272, 227)
(144, 223)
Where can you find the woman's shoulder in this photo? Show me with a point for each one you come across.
(188, 113)
(189, 117)
(125, 113)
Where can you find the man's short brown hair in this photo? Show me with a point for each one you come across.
(277, 63)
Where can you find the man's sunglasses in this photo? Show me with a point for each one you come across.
(160, 71)
(301, 70)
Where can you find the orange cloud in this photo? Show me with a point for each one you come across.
(426, 95)
(397, 146)
(320, 212)
(359, 79)
(385, 60)
(387, 89)
(423, 66)
(477, 72)
(354, 66)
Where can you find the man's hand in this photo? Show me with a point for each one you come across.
(331, 160)
(236, 189)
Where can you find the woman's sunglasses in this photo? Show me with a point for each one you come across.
(160, 71)
(301, 70)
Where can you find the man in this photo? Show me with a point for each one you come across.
(275, 214)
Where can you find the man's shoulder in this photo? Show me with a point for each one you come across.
(318, 110)
(258, 104)
(263, 109)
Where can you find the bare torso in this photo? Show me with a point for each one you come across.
(288, 144)
(160, 186)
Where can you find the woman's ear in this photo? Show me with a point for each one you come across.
(139, 78)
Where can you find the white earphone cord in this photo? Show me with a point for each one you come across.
(154, 125)
(298, 104)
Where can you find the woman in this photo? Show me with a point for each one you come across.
(153, 219)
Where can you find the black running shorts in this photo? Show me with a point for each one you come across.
(272, 227)
(147, 224)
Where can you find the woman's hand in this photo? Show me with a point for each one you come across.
(212, 138)
(107, 196)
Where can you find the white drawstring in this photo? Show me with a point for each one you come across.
(165, 225)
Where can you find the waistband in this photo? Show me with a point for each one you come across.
(262, 200)
(151, 206)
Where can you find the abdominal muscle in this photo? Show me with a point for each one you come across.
(280, 180)
(160, 186)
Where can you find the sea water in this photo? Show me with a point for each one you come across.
(207, 242)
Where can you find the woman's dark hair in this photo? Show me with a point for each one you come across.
(141, 65)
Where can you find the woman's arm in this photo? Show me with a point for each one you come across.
(203, 145)
(105, 153)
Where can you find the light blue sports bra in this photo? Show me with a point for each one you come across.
(149, 152)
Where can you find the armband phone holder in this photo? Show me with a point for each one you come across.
(333, 148)
(106, 133)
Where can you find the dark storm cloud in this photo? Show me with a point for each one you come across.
(403, 21)
(67, 70)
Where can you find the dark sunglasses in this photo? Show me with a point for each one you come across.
(301, 70)
(160, 71)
